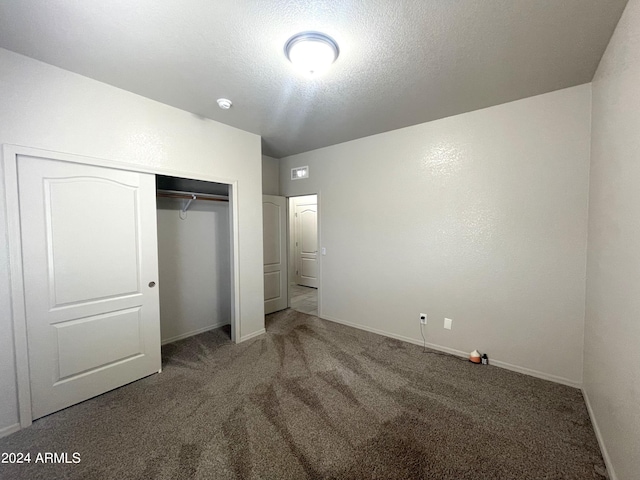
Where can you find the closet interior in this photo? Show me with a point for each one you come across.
(194, 256)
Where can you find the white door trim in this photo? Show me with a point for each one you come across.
(320, 247)
(16, 280)
(10, 155)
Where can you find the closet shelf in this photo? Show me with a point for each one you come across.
(191, 195)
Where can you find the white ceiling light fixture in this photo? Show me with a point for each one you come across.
(311, 52)
(224, 103)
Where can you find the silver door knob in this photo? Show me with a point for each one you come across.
(152, 284)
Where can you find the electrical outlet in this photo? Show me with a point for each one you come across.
(423, 318)
(448, 323)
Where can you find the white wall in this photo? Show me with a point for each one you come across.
(45, 107)
(194, 267)
(481, 218)
(612, 330)
(270, 176)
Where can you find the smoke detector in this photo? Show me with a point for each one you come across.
(224, 103)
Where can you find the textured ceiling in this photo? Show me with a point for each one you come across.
(402, 62)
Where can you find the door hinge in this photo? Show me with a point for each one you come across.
(296, 272)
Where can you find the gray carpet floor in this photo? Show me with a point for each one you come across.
(314, 399)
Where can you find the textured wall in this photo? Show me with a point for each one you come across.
(612, 326)
(481, 218)
(270, 176)
(194, 267)
(49, 108)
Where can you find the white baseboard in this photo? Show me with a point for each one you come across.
(603, 449)
(535, 373)
(252, 335)
(9, 430)
(193, 332)
(460, 353)
(397, 337)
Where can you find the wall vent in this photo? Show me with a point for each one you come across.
(299, 173)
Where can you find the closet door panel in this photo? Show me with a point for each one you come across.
(92, 342)
(89, 247)
(107, 212)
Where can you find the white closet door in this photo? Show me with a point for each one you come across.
(90, 267)
(274, 217)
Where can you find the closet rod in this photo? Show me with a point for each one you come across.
(190, 195)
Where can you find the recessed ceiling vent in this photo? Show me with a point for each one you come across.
(299, 172)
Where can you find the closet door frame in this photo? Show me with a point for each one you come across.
(18, 311)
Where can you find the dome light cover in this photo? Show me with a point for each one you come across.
(311, 52)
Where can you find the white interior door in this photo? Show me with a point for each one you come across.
(274, 217)
(90, 267)
(306, 235)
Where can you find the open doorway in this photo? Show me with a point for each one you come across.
(194, 257)
(304, 271)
